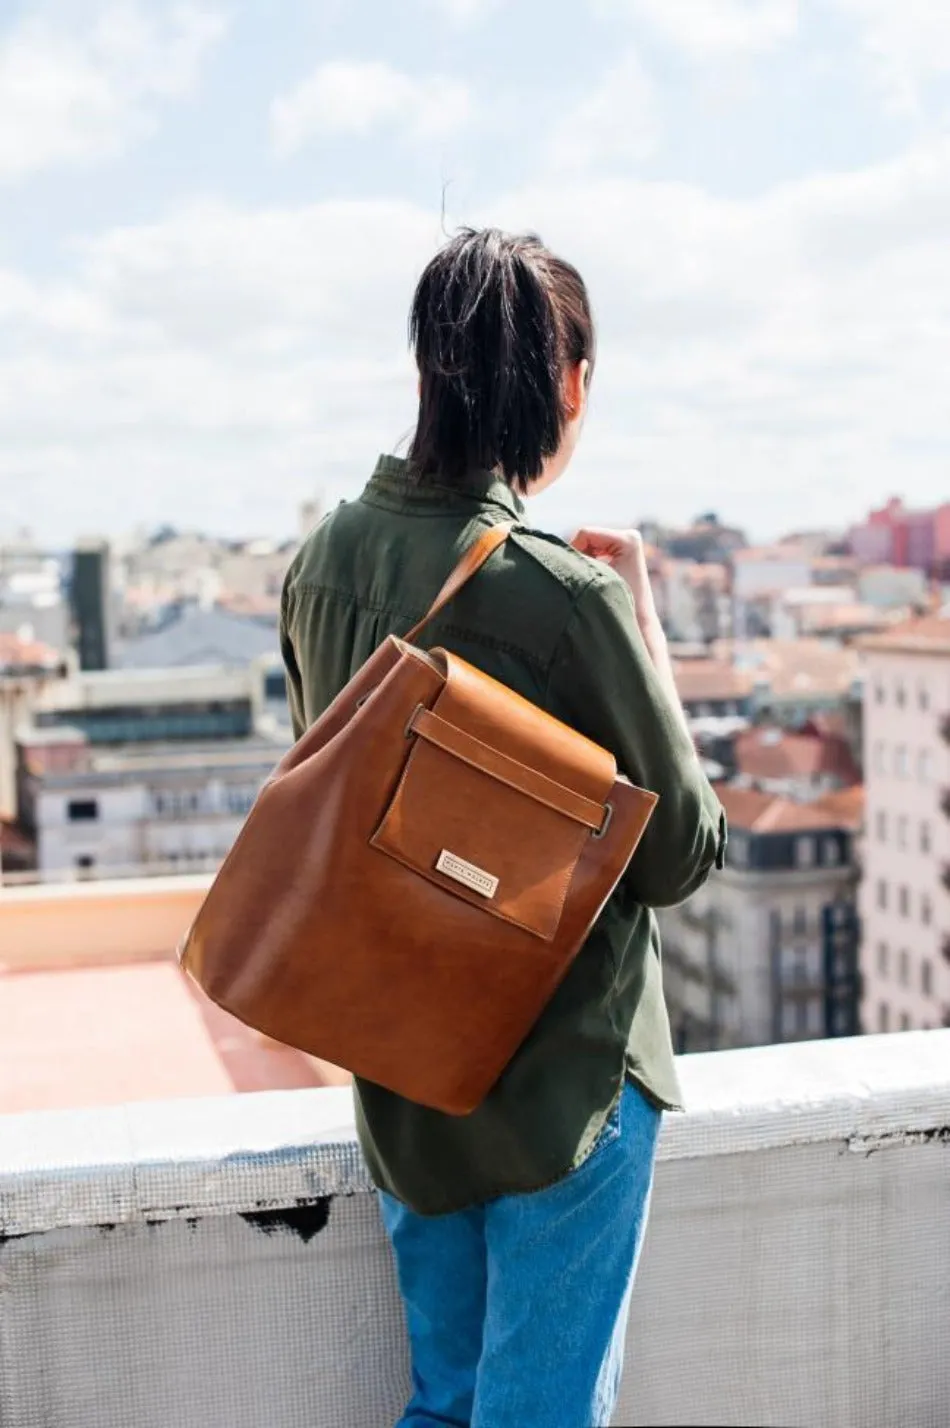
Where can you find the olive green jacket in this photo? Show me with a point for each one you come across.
(559, 628)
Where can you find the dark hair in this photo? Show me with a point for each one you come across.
(495, 319)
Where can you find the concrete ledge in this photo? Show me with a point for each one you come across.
(177, 1158)
(220, 1264)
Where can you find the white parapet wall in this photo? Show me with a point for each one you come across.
(219, 1264)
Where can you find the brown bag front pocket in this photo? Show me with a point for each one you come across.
(458, 819)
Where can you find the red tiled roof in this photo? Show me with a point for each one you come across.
(710, 679)
(796, 668)
(922, 634)
(17, 654)
(752, 811)
(827, 619)
(846, 805)
(775, 754)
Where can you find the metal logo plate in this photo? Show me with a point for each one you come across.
(467, 874)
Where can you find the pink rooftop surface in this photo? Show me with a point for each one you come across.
(102, 1035)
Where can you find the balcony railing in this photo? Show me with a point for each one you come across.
(220, 1264)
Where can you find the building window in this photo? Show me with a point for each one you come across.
(878, 692)
(925, 837)
(926, 978)
(900, 695)
(798, 921)
(882, 959)
(926, 910)
(880, 823)
(82, 810)
(903, 902)
(903, 967)
(880, 756)
(805, 852)
(830, 853)
(815, 1017)
(902, 831)
(923, 697)
(905, 1022)
(883, 1017)
(775, 928)
(881, 894)
(900, 761)
(925, 766)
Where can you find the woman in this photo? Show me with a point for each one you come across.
(516, 1229)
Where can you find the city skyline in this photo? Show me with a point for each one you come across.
(212, 226)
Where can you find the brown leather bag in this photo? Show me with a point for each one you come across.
(418, 874)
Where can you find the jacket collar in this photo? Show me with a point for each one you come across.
(391, 484)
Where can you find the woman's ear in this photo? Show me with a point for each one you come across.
(574, 387)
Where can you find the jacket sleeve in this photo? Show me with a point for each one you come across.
(295, 699)
(604, 677)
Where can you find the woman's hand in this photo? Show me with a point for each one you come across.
(623, 551)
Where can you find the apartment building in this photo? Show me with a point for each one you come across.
(905, 903)
(120, 770)
(895, 535)
(98, 812)
(766, 951)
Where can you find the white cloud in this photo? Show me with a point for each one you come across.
(762, 352)
(713, 29)
(87, 93)
(905, 45)
(755, 354)
(360, 97)
(219, 360)
(616, 122)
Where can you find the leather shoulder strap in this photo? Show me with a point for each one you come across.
(473, 560)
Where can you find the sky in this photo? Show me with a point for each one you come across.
(212, 216)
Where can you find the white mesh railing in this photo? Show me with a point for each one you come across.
(219, 1264)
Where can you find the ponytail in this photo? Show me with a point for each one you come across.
(494, 320)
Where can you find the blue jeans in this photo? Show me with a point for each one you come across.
(517, 1309)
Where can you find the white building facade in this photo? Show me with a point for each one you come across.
(905, 904)
(177, 808)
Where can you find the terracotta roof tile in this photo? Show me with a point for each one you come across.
(775, 754)
(922, 634)
(17, 654)
(796, 668)
(710, 679)
(853, 616)
(752, 811)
